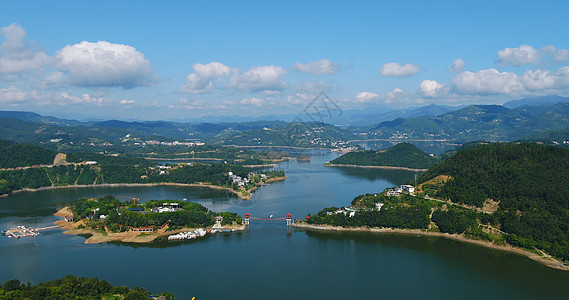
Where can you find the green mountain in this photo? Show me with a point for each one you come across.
(14, 155)
(401, 155)
(486, 122)
(310, 135)
(528, 181)
(535, 101)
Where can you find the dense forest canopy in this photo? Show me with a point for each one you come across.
(528, 180)
(71, 287)
(14, 155)
(401, 155)
(119, 216)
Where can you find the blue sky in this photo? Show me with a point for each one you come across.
(182, 59)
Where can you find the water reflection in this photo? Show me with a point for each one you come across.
(396, 177)
(436, 148)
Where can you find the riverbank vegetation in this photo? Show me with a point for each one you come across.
(404, 212)
(401, 155)
(71, 287)
(500, 193)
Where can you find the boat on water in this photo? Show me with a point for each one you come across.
(3, 232)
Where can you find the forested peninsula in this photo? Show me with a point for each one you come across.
(28, 167)
(508, 195)
(402, 155)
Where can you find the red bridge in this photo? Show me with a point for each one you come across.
(288, 218)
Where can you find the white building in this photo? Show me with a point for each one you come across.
(378, 205)
(408, 188)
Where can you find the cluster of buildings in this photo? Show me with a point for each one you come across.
(238, 179)
(167, 207)
(243, 181)
(395, 192)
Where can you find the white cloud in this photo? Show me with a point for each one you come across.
(258, 102)
(202, 80)
(457, 65)
(104, 64)
(366, 97)
(17, 56)
(395, 69)
(13, 95)
(432, 89)
(558, 55)
(299, 98)
(526, 54)
(544, 80)
(259, 79)
(54, 79)
(124, 101)
(322, 66)
(522, 55)
(485, 82)
(65, 99)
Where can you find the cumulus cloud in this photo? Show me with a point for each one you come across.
(457, 65)
(103, 64)
(558, 55)
(259, 79)
(522, 55)
(432, 89)
(395, 69)
(299, 98)
(544, 80)
(526, 54)
(319, 67)
(258, 102)
(202, 80)
(13, 95)
(366, 97)
(486, 82)
(17, 55)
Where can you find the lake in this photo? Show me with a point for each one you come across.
(269, 260)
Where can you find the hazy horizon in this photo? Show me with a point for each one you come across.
(182, 61)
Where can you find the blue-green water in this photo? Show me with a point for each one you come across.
(268, 261)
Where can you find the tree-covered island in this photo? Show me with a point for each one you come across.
(509, 196)
(109, 219)
(402, 155)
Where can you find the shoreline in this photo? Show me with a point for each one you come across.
(126, 237)
(287, 147)
(547, 261)
(375, 167)
(198, 184)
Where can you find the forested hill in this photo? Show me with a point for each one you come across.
(401, 155)
(528, 180)
(14, 155)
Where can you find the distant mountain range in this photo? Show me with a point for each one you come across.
(515, 120)
(478, 122)
(535, 101)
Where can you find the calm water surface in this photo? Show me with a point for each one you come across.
(269, 261)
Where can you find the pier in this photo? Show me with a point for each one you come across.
(23, 231)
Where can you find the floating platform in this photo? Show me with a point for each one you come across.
(23, 231)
